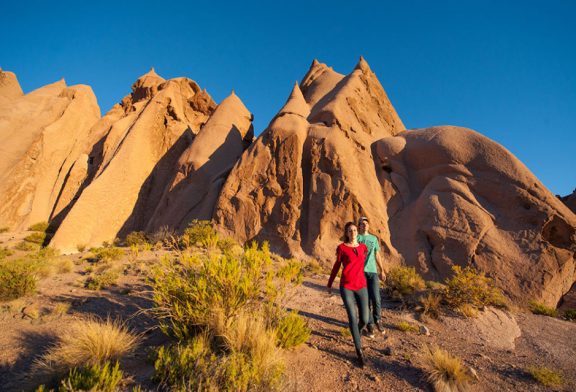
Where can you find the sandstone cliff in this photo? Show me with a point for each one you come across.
(39, 137)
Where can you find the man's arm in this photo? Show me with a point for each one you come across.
(380, 266)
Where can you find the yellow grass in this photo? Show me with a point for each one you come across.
(89, 342)
(445, 372)
(546, 376)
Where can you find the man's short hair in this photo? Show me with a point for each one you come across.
(362, 220)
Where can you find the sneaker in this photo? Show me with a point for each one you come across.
(380, 328)
(369, 331)
(361, 359)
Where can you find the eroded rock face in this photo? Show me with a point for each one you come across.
(202, 169)
(40, 136)
(460, 198)
(570, 201)
(131, 163)
(312, 169)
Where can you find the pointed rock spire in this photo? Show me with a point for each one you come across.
(362, 65)
(296, 103)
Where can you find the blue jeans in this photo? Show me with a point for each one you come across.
(373, 283)
(359, 298)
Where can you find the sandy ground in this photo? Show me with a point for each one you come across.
(499, 353)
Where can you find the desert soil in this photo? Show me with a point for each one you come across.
(498, 345)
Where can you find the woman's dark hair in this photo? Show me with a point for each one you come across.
(346, 226)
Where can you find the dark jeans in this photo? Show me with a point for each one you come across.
(374, 296)
(359, 298)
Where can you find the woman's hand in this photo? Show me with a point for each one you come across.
(329, 290)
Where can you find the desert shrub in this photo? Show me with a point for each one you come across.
(430, 304)
(81, 247)
(89, 342)
(36, 238)
(540, 308)
(26, 246)
(98, 377)
(228, 244)
(107, 253)
(136, 238)
(164, 235)
(200, 232)
(101, 281)
(570, 314)
(292, 330)
(18, 278)
(471, 287)
(405, 326)
(187, 294)
(467, 310)
(546, 376)
(4, 229)
(5, 252)
(403, 281)
(40, 227)
(445, 372)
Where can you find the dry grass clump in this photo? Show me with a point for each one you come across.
(89, 342)
(18, 278)
(5, 252)
(102, 280)
(445, 372)
(540, 308)
(470, 287)
(431, 304)
(40, 227)
(36, 238)
(26, 246)
(404, 281)
(107, 253)
(4, 230)
(546, 376)
(405, 326)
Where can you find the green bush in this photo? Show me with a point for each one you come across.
(570, 314)
(292, 330)
(200, 232)
(539, 308)
(403, 281)
(186, 295)
(5, 252)
(17, 279)
(101, 281)
(101, 378)
(136, 238)
(40, 227)
(107, 254)
(546, 376)
(36, 238)
(471, 287)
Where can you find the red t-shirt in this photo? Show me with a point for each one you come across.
(353, 260)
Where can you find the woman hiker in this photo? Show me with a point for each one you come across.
(352, 256)
(371, 267)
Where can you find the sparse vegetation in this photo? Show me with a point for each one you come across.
(81, 247)
(36, 238)
(4, 230)
(199, 232)
(89, 342)
(445, 372)
(26, 246)
(101, 281)
(40, 227)
(136, 238)
(540, 308)
(292, 330)
(98, 377)
(226, 310)
(107, 253)
(430, 304)
(403, 281)
(546, 376)
(473, 288)
(17, 279)
(5, 252)
(405, 326)
(570, 314)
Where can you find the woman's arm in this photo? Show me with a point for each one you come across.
(335, 269)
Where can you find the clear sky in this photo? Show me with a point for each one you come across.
(506, 69)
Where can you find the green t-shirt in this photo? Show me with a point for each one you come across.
(373, 245)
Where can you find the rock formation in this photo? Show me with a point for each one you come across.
(40, 133)
(460, 198)
(312, 169)
(145, 136)
(570, 201)
(202, 169)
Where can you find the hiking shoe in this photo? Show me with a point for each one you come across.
(380, 328)
(361, 359)
(369, 331)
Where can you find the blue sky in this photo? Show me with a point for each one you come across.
(506, 69)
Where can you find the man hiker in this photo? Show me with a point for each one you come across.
(372, 264)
